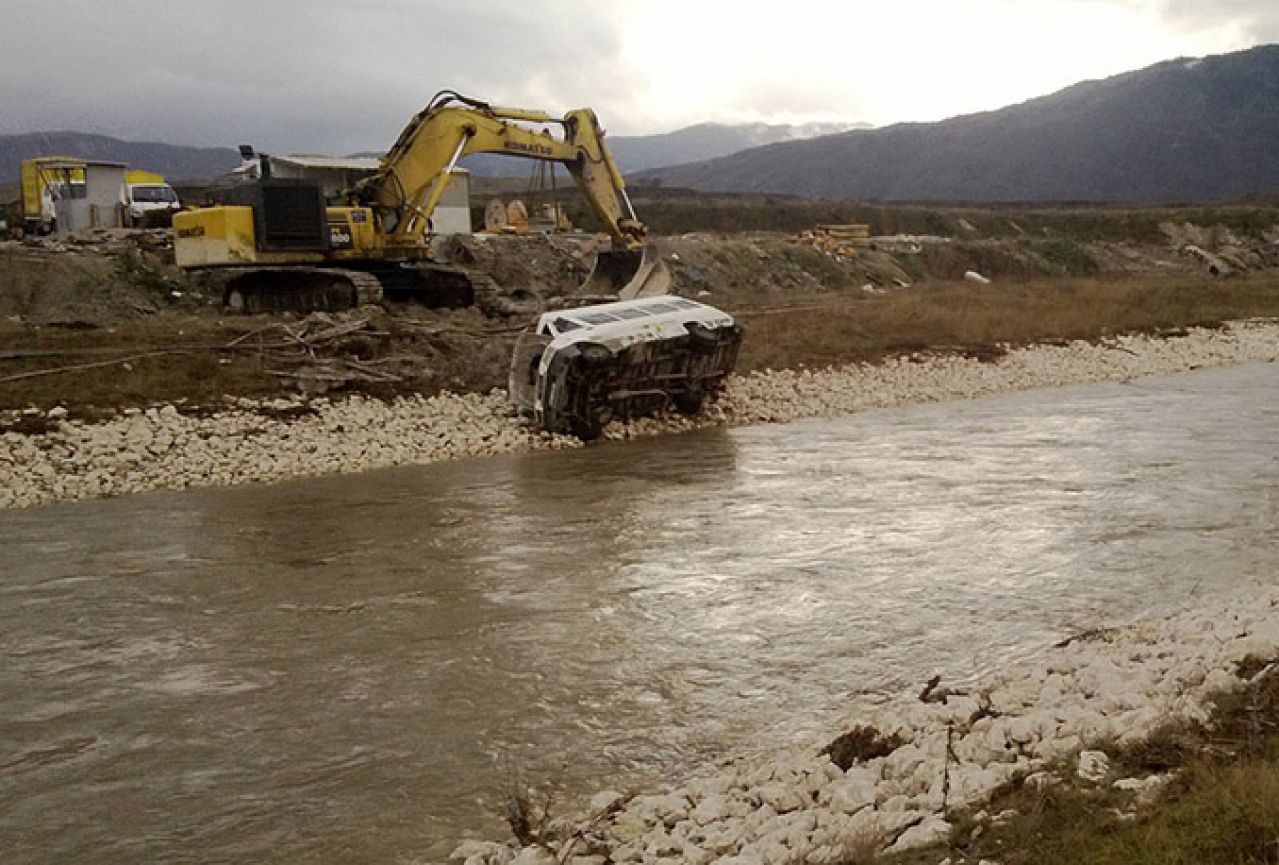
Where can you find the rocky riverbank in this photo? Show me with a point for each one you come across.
(258, 442)
(905, 767)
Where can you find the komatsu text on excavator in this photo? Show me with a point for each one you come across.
(285, 248)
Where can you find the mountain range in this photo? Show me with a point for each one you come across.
(633, 153)
(691, 144)
(174, 161)
(1187, 130)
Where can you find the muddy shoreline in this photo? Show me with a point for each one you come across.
(272, 440)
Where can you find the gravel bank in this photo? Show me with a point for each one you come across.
(1106, 689)
(162, 448)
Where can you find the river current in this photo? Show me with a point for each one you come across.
(358, 669)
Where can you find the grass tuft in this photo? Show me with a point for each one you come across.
(860, 744)
(1220, 808)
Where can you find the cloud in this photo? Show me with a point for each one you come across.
(337, 77)
(1257, 19)
(292, 74)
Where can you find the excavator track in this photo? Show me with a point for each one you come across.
(304, 289)
(332, 289)
(300, 289)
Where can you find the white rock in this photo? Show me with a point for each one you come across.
(883, 825)
(605, 800)
(903, 761)
(826, 855)
(767, 850)
(712, 808)
(1052, 749)
(627, 827)
(1145, 788)
(533, 856)
(659, 809)
(898, 802)
(933, 830)
(1221, 681)
(1023, 730)
(658, 845)
(1093, 766)
(782, 797)
(761, 816)
(471, 848)
(742, 859)
(850, 794)
(1041, 781)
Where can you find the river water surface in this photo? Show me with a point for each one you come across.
(354, 669)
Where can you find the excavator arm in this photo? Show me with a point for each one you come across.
(413, 174)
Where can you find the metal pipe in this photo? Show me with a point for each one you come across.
(417, 205)
(457, 154)
(629, 207)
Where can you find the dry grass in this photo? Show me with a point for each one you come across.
(191, 369)
(974, 319)
(185, 359)
(677, 211)
(1217, 814)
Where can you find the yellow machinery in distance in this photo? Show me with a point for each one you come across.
(285, 248)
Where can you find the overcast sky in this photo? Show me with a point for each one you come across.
(336, 77)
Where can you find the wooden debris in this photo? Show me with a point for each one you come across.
(844, 241)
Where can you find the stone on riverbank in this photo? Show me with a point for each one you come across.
(161, 448)
(1139, 679)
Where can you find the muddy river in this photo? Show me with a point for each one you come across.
(356, 669)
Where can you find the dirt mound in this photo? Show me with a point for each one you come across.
(54, 285)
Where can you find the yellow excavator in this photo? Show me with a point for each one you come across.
(285, 248)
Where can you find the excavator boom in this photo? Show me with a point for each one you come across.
(411, 179)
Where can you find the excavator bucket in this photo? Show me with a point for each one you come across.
(628, 274)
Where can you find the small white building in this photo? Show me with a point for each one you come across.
(97, 202)
(335, 174)
(453, 213)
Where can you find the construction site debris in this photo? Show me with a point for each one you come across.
(909, 244)
(1222, 265)
(846, 241)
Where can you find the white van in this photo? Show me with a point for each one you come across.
(145, 193)
(145, 198)
(578, 369)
